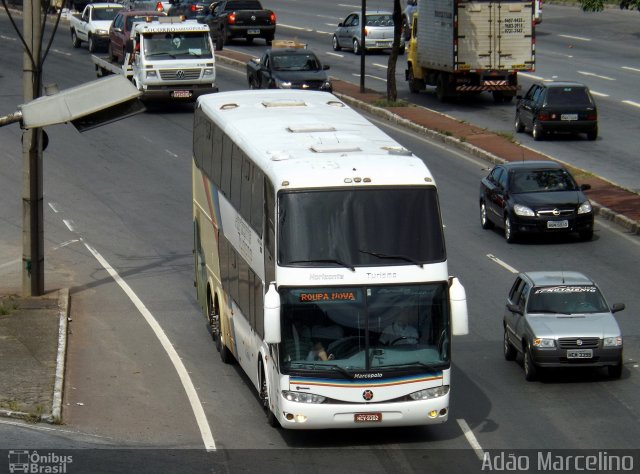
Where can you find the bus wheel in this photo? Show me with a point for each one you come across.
(216, 332)
(264, 396)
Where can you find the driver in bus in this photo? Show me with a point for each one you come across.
(399, 332)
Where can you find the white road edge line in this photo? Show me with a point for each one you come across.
(504, 265)
(471, 439)
(634, 69)
(69, 224)
(579, 38)
(630, 102)
(189, 388)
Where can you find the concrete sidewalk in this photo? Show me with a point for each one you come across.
(33, 330)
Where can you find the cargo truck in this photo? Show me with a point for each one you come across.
(467, 47)
(167, 58)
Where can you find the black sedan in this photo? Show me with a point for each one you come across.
(553, 107)
(288, 68)
(534, 197)
(190, 9)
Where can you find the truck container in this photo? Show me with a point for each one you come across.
(467, 47)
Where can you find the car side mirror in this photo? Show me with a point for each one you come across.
(325, 67)
(617, 307)
(340, 24)
(514, 308)
(585, 187)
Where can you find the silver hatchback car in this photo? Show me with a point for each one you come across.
(378, 32)
(561, 319)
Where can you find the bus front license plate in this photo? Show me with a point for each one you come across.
(367, 417)
(181, 94)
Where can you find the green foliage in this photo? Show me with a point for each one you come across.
(390, 103)
(598, 5)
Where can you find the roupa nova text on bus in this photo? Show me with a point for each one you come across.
(320, 261)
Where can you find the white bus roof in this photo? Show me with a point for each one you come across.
(312, 139)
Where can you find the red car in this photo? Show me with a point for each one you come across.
(120, 30)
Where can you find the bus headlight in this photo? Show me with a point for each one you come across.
(303, 397)
(429, 393)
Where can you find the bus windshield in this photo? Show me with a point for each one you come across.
(363, 227)
(382, 328)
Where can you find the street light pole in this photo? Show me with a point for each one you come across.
(32, 210)
(363, 21)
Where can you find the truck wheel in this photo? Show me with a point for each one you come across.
(74, 39)
(415, 85)
(441, 88)
(335, 44)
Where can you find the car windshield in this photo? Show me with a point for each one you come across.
(105, 14)
(566, 299)
(379, 20)
(295, 62)
(568, 96)
(534, 181)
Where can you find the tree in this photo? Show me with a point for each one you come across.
(392, 91)
(598, 5)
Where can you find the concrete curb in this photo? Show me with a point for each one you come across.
(63, 314)
(603, 212)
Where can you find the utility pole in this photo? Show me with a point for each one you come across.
(32, 216)
(363, 21)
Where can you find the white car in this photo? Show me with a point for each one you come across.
(378, 32)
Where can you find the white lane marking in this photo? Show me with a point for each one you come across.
(471, 439)
(335, 54)
(346, 5)
(630, 102)
(320, 32)
(633, 238)
(299, 28)
(634, 69)
(69, 223)
(12, 262)
(64, 53)
(384, 66)
(171, 153)
(329, 24)
(579, 38)
(53, 206)
(532, 76)
(593, 74)
(369, 75)
(328, 16)
(599, 94)
(64, 244)
(504, 265)
(7, 38)
(187, 383)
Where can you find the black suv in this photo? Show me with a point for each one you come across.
(557, 107)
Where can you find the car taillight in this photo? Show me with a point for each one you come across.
(159, 7)
(193, 8)
(544, 116)
(272, 18)
(231, 18)
(592, 116)
(366, 31)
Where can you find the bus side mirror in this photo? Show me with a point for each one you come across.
(459, 313)
(272, 316)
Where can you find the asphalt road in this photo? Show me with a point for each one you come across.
(119, 196)
(599, 49)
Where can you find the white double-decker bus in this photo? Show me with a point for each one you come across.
(320, 261)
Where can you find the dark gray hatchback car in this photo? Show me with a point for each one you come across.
(557, 107)
(561, 319)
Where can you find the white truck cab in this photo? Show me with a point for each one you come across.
(172, 59)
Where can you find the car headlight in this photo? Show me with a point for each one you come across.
(544, 343)
(430, 393)
(585, 208)
(612, 341)
(283, 84)
(326, 86)
(303, 397)
(152, 73)
(521, 210)
(102, 32)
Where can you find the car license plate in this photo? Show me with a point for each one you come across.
(569, 117)
(557, 224)
(580, 354)
(382, 44)
(181, 94)
(253, 32)
(367, 417)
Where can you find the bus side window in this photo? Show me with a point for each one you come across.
(257, 200)
(236, 176)
(245, 188)
(225, 179)
(217, 151)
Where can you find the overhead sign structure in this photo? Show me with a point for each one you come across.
(86, 106)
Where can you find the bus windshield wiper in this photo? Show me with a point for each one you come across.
(397, 257)
(326, 260)
(416, 364)
(310, 367)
